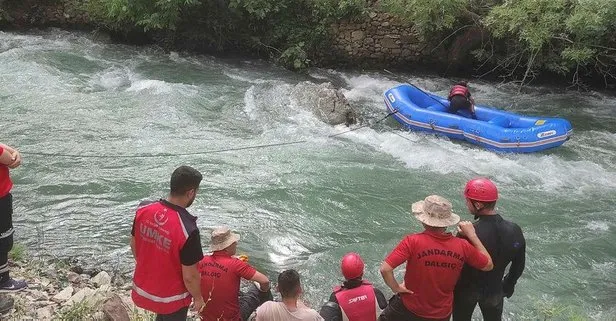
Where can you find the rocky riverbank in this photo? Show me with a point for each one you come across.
(62, 290)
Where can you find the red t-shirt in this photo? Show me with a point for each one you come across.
(220, 285)
(433, 265)
(5, 180)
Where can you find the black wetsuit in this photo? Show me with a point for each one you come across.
(505, 243)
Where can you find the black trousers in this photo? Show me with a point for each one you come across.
(6, 235)
(249, 301)
(464, 304)
(179, 315)
(396, 311)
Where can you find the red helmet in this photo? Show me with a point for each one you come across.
(481, 189)
(352, 266)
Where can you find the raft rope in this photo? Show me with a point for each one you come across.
(203, 152)
(425, 93)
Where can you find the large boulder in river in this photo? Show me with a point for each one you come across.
(325, 101)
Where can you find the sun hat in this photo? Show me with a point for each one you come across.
(222, 238)
(435, 211)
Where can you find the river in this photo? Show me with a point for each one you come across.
(297, 206)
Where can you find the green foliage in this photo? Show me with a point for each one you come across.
(295, 57)
(148, 14)
(559, 35)
(17, 253)
(76, 312)
(428, 16)
(534, 22)
(563, 36)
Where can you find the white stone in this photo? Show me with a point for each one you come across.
(44, 313)
(41, 304)
(81, 295)
(45, 282)
(99, 316)
(101, 279)
(39, 295)
(73, 277)
(64, 295)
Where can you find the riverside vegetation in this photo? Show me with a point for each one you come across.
(514, 40)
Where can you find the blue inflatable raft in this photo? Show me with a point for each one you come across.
(493, 129)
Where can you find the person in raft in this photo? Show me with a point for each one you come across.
(460, 99)
(505, 243)
(221, 273)
(356, 299)
(434, 260)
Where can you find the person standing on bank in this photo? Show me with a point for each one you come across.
(167, 249)
(434, 260)
(9, 159)
(505, 243)
(356, 299)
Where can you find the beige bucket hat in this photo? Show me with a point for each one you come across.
(222, 238)
(435, 211)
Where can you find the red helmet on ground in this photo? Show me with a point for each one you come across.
(352, 266)
(481, 189)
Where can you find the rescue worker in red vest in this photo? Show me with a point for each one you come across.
(356, 299)
(505, 243)
(221, 273)
(167, 249)
(434, 260)
(10, 159)
(460, 99)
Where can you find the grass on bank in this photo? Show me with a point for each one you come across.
(18, 253)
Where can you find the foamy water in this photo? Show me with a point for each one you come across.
(297, 206)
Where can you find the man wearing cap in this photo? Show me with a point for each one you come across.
(434, 260)
(504, 241)
(221, 274)
(167, 247)
(356, 299)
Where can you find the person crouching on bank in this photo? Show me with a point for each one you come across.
(356, 299)
(221, 274)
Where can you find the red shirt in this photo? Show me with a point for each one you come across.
(5, 180)
(433, 265)
(220, 285)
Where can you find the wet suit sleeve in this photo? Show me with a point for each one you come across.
(515, 271)
(380, 298)
(473, 257)
(330, 311)
(191, 253)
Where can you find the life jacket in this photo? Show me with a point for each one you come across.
(357, 304)
(160, 233)
(459, 90)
